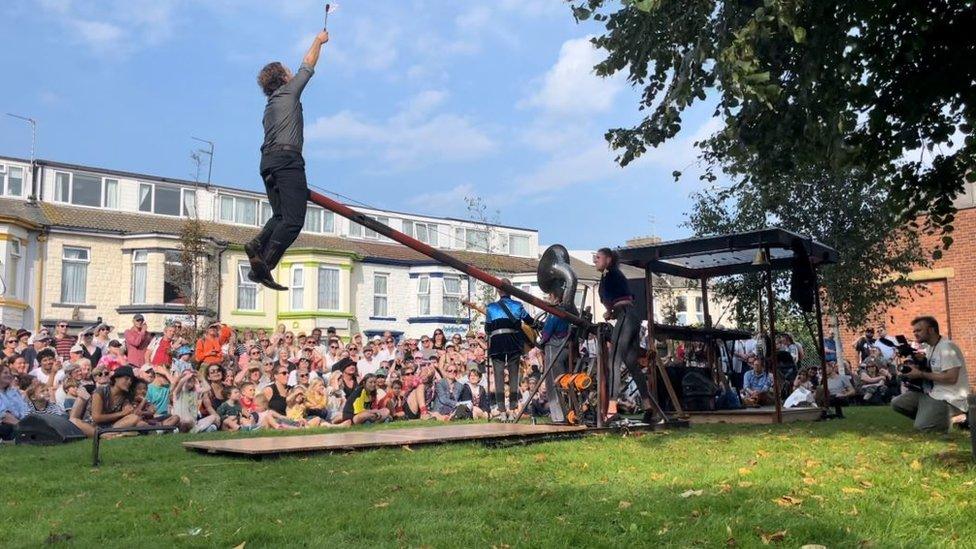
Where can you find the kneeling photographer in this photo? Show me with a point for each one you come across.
(936, 377)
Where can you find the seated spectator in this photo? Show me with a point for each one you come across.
(841, 390)
(187, 396)
(181, 360)
(48, 372)
(230, 410)
(874, 382)
(358, 408)
(248, 392)
(147, 411)
(158, 391)
(475, 395)
(448, 392)
(112, 405)
(757, 385)
(39, 400)
(297, 408)
(70, 388)
(13, 405)
(270, 419)
(317, 400)
(536, 405)
(394, 401)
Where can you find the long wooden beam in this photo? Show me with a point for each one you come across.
(443, 257)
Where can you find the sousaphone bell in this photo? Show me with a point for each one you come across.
(556, 276)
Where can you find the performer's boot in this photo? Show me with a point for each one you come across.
(271, 250)
(259, 269)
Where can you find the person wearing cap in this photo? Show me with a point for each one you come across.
(23, 340)
(41, 341)
(62, 341)
(76, 353)
(209, 348)
(181, 360)
(112, 405)
(137, 339)
(90, 350)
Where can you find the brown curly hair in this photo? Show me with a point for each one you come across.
(272, 76)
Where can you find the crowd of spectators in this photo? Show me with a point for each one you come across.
(231, 380)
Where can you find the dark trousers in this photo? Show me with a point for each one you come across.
(625, 351)
(284, 181)
(499, 364)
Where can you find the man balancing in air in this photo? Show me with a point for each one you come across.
(282, 165)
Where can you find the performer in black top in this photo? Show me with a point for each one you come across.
(625, 339)
(282, 165)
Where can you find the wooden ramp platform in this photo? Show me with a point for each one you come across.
(361, 440)
(766, 414)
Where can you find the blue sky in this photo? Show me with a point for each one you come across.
(415, 104)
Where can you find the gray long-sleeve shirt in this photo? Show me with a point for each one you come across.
(283, 121)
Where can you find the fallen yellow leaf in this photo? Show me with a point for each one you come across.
(241, 546)
(690, 493)
(768, 538)
(724, 488)
(916, 465)
(745, 484)
(744, 470)
(624, 504)
(381, 504)
(851, 490)
(809, 480)
(787, 501)
(657, 476)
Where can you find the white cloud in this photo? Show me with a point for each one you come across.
(571, 87)
(117, 28)
(444, 201)
(416, 135)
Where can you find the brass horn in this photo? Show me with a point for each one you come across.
(556, 276)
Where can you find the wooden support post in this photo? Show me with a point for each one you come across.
(771, 352)
(652, 357)
(820, 340)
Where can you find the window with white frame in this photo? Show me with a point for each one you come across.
(176, 277)
(476, 240)
(247, 290)
(328, 298)
(189, 208)
(699, 310)
(328, 222)
(380, 299)
(518, 245)
(297, 288)
(266, 212)
(355, 229)
(13, 269)
(110, 192)
(423, 295)
(11, 180)
(458, 238)
(167, 200)
(451, 305)
(681, 310)
(85, 189)
(369, 233)
(424, 232)
(237, 209)
(74, 274)
(313, 220)
(140, 268)
(501, 244)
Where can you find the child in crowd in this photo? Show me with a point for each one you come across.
(248, 390)
(394, 401)
(296, 408)
(187, 395)
(158, 390)
(70, 387)
(39, 400)
(474, 395)
(146, 410)
(181, 360)
(317, 400)
(230, 410)
(268, 418)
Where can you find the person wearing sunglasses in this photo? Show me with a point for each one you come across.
(209, 349)
(62, 341)
(9, 347)
(448, 393)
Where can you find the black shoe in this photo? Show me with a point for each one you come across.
(259, 269)
(269, 282)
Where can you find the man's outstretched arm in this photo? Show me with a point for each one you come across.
(312, 56)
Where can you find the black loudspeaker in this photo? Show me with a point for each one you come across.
(46, 429)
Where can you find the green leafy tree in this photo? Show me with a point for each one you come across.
(883, 90)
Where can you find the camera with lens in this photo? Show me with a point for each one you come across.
(911, 359)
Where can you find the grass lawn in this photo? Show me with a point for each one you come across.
(868, 480)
